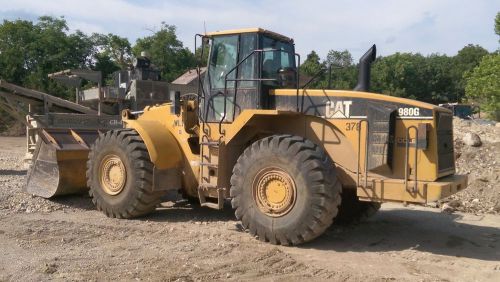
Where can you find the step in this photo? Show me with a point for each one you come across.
(203, 200)
(211, 205)
(210, 143)
(208, 185)
(209, 165)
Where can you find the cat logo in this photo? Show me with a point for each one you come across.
(338, 109)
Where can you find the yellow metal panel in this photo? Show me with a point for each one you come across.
(338, 143)
(162, 146)
(396, 190)
(249, 30)
(233, 128)
(357, 94)
(234, 31)
(167, 142)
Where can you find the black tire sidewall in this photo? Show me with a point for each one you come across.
(116, 148)
(137, 197)
(298, 212)
(317, 189)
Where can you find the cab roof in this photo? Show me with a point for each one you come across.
(250, 30)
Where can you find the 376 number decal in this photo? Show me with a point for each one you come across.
(409, 112)
(350, 126)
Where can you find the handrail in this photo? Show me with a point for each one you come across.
(201, 89)
(359, 152)
(225, 86)
(256, 79)
(298, 80)
(407, 146)
(407, 150)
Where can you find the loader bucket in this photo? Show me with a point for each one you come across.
(59, 162)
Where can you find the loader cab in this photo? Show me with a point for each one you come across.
(243, 65)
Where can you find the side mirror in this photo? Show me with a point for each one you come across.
(175, 97)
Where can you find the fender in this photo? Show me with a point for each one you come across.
(157, 138)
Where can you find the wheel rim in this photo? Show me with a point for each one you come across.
(112, 175)
(274, 191)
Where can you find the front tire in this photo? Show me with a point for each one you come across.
(285, 190)
(120, 175)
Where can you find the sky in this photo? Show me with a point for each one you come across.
(423, 26)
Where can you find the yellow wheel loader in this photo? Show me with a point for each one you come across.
(291, 160)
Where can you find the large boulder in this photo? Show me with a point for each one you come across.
(472, 139)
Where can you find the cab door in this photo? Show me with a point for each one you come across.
(226, 53)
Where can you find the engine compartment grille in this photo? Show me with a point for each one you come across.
(446, 155)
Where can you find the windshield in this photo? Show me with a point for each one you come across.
(272, 61)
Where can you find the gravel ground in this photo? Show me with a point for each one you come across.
(67, 239)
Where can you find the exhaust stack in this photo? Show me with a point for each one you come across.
(364, 69)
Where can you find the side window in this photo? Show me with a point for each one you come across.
(272, 61)
(247, 69)
(224, 56)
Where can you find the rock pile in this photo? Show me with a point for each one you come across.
(477, 151)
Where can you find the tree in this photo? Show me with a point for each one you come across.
(401, 74)
(312, 67)
(339, 58)
(483, 84)
(111, 53)
(117, 48)
(166, 52)
(438, 78)
(497, 24)
(29, 51)
(343, 72)
(465, 61)
(16, 51)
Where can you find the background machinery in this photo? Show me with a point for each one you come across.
(60, 132)
(291, 159)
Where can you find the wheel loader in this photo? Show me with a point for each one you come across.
(291, 160)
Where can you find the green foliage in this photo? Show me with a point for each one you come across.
(434, 78)
(166, 52)
(114, 47)
(31, 50)
(16, 50)
(28, 52)
(497, 24)
(483, 84)
(311, 68)
(312, 64)
(465, 61)
(343, 73)
(112, 53)
(401, 74)
(339, 58)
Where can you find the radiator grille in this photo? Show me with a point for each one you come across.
(446, 158)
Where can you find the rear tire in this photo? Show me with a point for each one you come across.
(285, 190)
(352, 210)
(120, 175)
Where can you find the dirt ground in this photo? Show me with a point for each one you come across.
(67, 239)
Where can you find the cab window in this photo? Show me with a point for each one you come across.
(272, 61)
(247, 69)
(223, 59)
